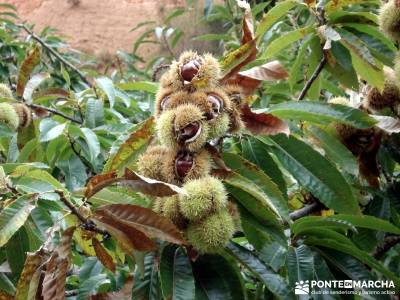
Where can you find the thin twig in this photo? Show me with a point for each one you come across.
(171, 52)
(58, 56)
(388, 243)
(78, 153)
(305, 211)
(314, 77)
(55, 112)
(85, 223)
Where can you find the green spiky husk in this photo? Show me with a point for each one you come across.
(9, 116)
(211, 234)
(150, 163)
(24, 115)
(389, 20)
(5, 91)
(397, 69)
(219, 127)
(204, 196)
(170, 120)
(4, 182)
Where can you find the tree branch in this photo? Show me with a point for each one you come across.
(55, 112)
(305, 211)
(388, 243)
(57, 55)
(85, 223)
(168, 46)
(314, 77)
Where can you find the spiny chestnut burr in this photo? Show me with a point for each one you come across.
(190, 70)
(183, 164)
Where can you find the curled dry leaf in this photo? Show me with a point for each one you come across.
(140, 218)
(251, 79)
(30, 62)
(387, 124)
(150, 186)
(135, 181)
(270, 71)
(98, 182)
(51, 92)
(53, 287)
(237, 59)
(263, 123)
(129, 238)
(30, 276)
(103, 256)
(40, 112)
(248, 26)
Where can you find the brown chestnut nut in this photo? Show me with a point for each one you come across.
(216, 105)
(189, 132)
(164, 102)
(183, 164)
(190, 70)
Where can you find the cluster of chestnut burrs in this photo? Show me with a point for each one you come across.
(193, 108)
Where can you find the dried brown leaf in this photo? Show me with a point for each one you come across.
(129, 238)
(29, 279)
(51, 92)
(387, 124)
(248, 26)
(40, 112)
(248, 85)
(142, 219)
(27, 66)
(270, 71)
(103, 256)
(251, 79)
(98, 182)
(263, 123)
(150, 186)
(53, 287)
(135, 181)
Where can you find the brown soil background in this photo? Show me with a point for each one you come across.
(101, 27)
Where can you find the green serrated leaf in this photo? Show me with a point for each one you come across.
(13, 216)
(322, 113)
(315, 173)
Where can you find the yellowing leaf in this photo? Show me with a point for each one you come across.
(57, 267)
(135, 181)
(102, 254)
(30, 62)
(129, 151)
(30, 276)
(142, 219)
(13, 216)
